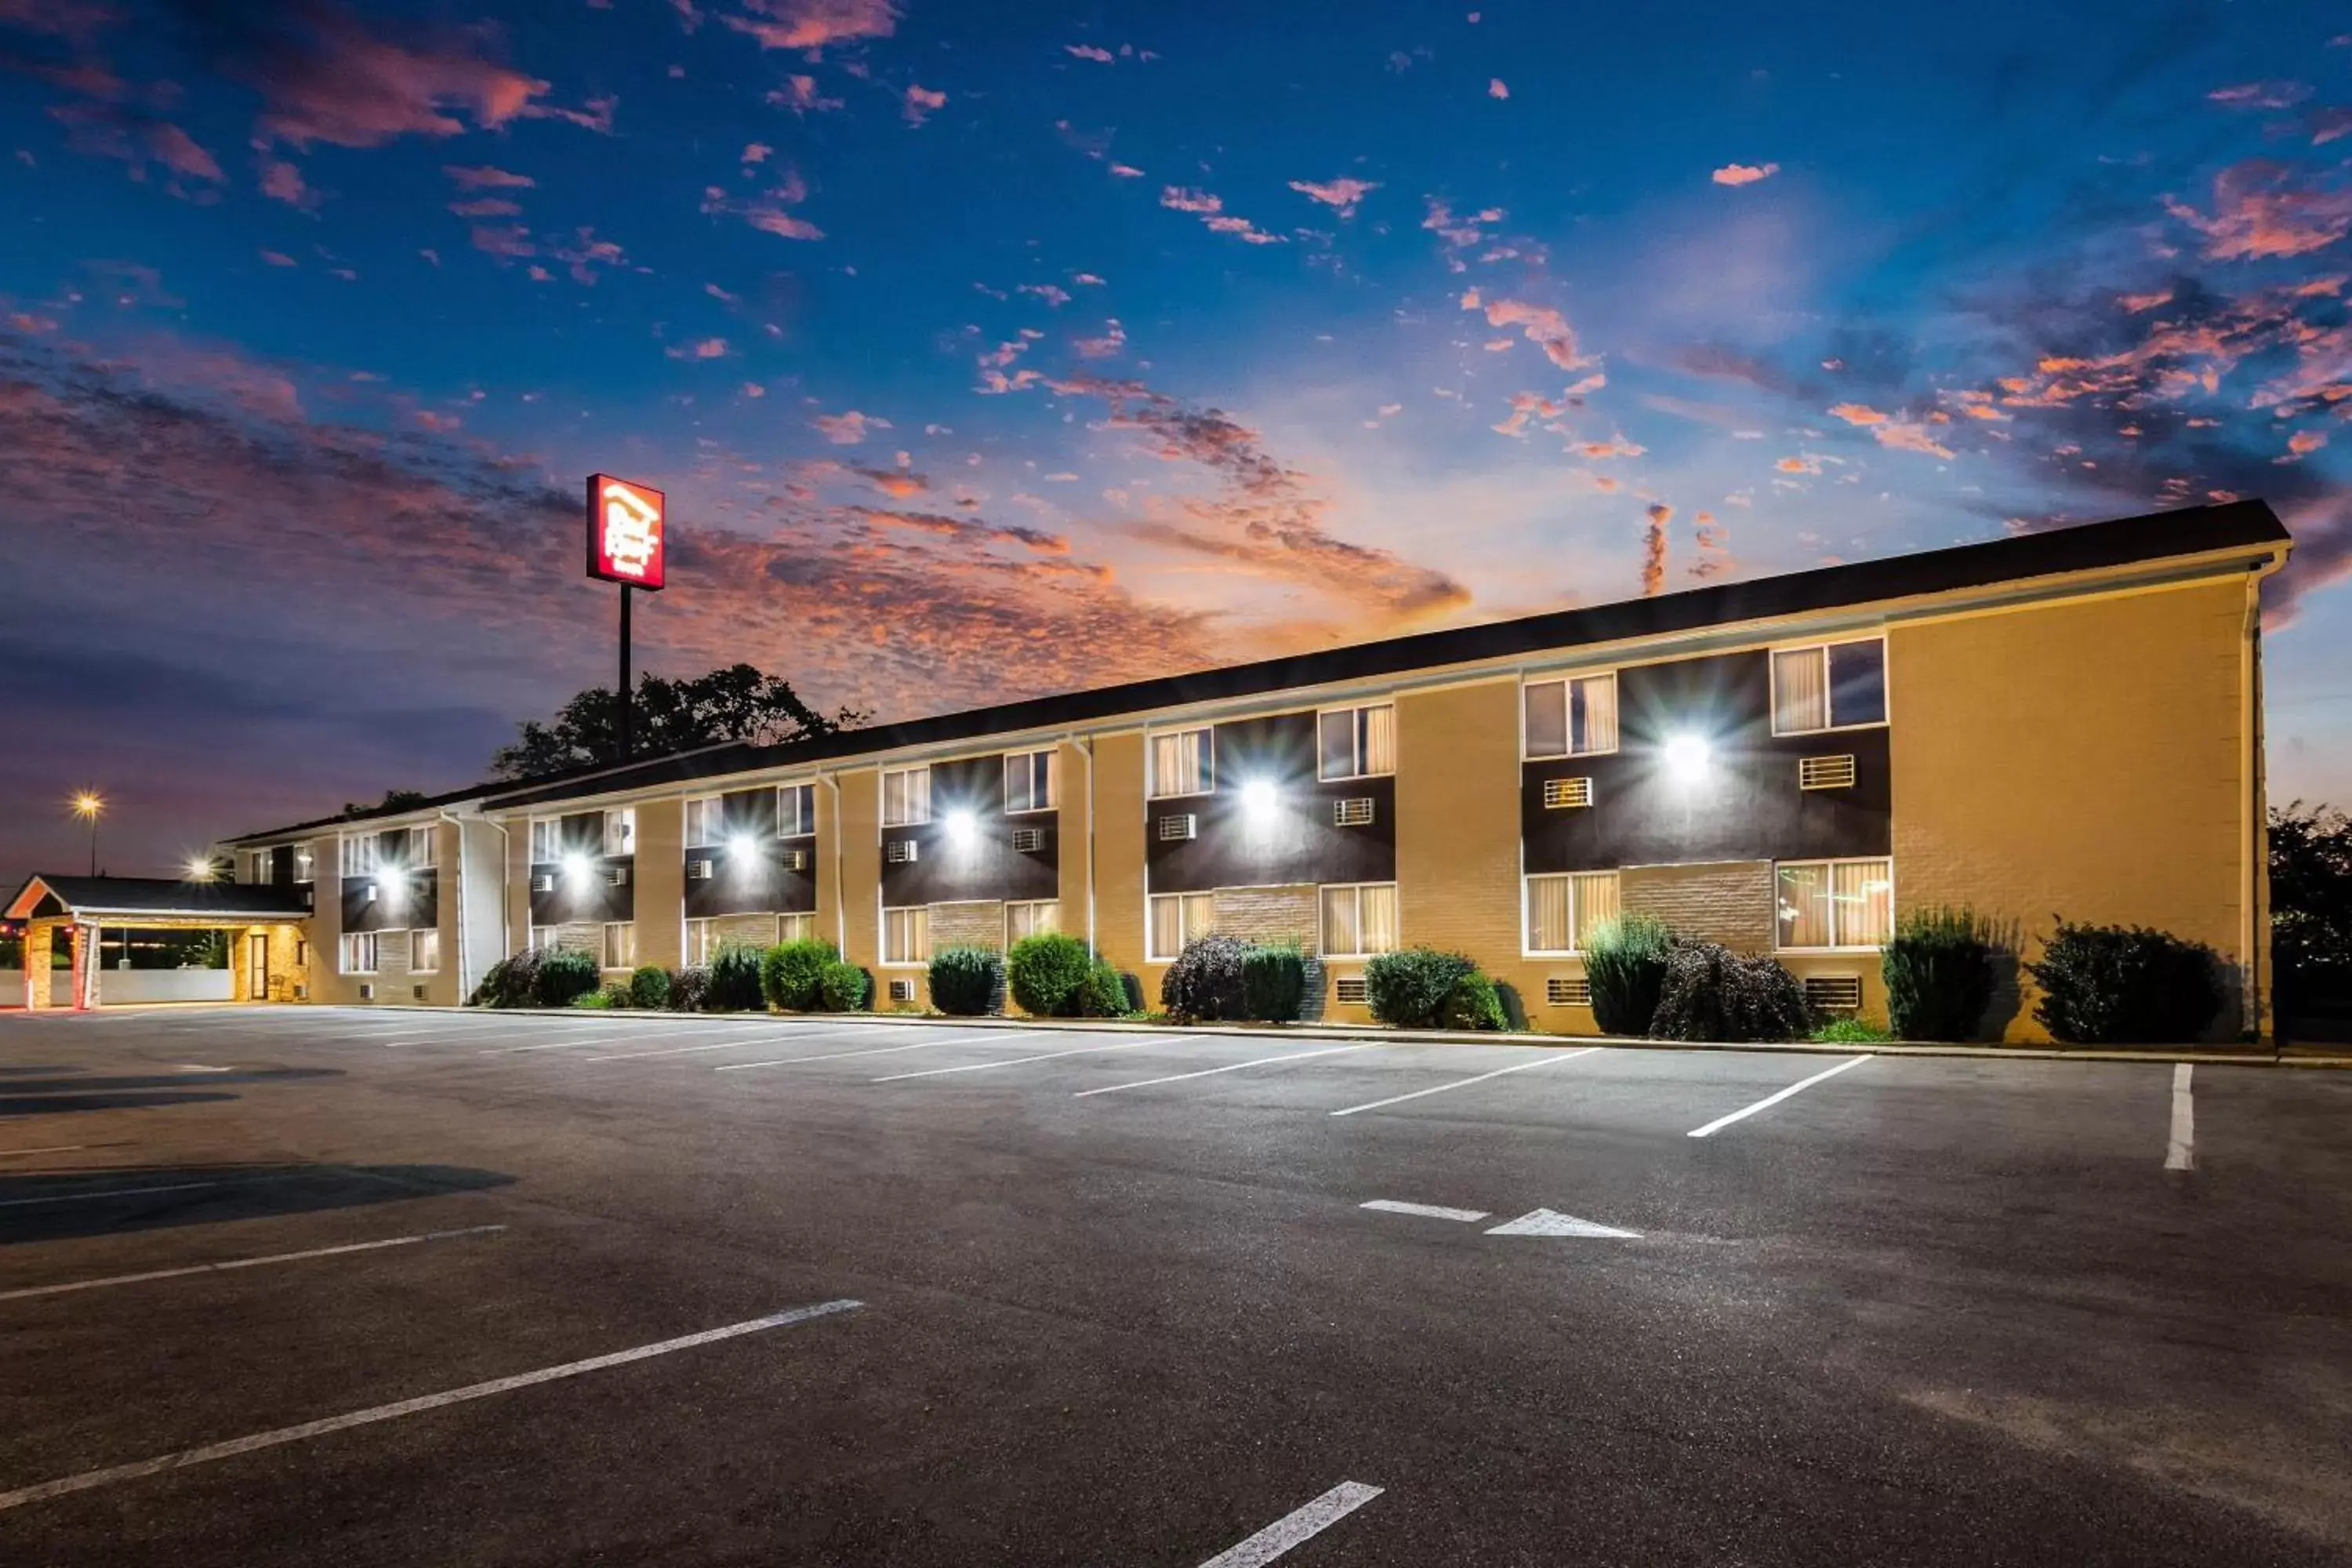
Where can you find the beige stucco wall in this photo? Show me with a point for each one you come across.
(860, 889)
(1118, 859)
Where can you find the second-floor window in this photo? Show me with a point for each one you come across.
(1836, 686)
(1183, 762)
(702, 823)
(795, 810)
(1356, 742)
(546, 840)
(303, 868)
(1029, 781)
(621, 831)
(361, 856)
(1571, 718)
(420, 848)
(906, 796)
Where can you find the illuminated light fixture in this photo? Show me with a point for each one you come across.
(1687, 757)
(961, 825)
(742, 846)
(395, 887)
(576, 866)
(87, 804)
(200, 870)
(1258, 797)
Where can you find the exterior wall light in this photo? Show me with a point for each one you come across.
(200, 870)
(1686, 758)
(576, 866)
(1258, 798)
(962, 826)
(742, 846)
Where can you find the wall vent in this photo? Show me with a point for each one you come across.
(1562, 992)
(1355, 813)
(617, 876)
(544, 882)
(902, 991)
(900, 851)
(1824, 772)
(1028, 840)
(1183, 825)
(697, 870)
(1561, 794)
(1349, 989)
(417, 993)
(301, 993)
(367, 991)
(1834, 993)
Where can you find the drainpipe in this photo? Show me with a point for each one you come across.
(465, 968)
(1086, 748)
(840, 894)
(505, 924)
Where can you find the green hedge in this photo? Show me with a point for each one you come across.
(1474, 1003)
(844, 987)
(2125, 986)
(966, 981)
(1409, 988)
(790, 972)
(1205, 983)
(1274, 982)
(735, 980)
(1108, 994)
(650, 988)
(1938, 972)
(1046, 973)
(564, 974)
(1625, 963)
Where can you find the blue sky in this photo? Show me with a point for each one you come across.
(997, 350)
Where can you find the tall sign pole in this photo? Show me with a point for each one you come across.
(626, 544)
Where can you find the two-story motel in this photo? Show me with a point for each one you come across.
(2058, 724)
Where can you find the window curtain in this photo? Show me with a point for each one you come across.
(1801, 691)
(1547, 914)
(1546, 718)
(1595, 703)
(1596, 901)
(1341, 934)
(1805, 906)
(1176, 763)
(1864, 892)
(1376, 919)
(1380, 740)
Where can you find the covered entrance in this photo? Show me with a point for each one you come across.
(93, 940)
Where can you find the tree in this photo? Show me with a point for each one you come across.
(2311, 901)
(736, 703)
(394, 800)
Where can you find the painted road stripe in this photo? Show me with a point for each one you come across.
(1292, 1529)
(44, 1149)
(1021, 1061)
(877, 1051)
(1543, 1060)
(171, 1187)
(235, 1446)
(744, 1042)
(245, 1262)
(1212, 1072)
(1427, 1211)
(1745, 1111)
(593, 1040)
(2180, 1150)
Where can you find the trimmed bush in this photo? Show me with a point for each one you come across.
(1851, 1032)
(789, 973)
(689, 990)
(2125, 986)
(843, 987)
(1474, 1003)
(1205, 983)
(1274, 982)
(1938, 972)
(734, 979)
(1713, 994)
(509, 983)
(1044, 973)
(965, 981)
(1105, 993)
(1408, 988)
(1625, 963)
(563, 974)
(593, 999)
(650, 988)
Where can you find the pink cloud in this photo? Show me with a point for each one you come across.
(2261, 94)
(1109, 345)
(849, 429)
(2263, 209)
(1210, 210)
(484, 177)
(920, 101)
(814, 24)
(1744, 173)
(800, 95)
(1341, 195)
(768, 215)
(282, 182)
(1494, 88)
(1539, 324)
(1653, 547)
(1126, 171)
(1858, 413)
(1088, 52)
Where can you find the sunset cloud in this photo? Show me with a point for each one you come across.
(920, 103)
(1210, 210)
(2262, 209)
(814, 24)
(1744, 173)
(1653, 547)
(1340, 195)
(848, 429)
(1539, 324)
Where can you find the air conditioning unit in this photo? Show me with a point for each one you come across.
(1834, 993)
(795, 860)
(902, 991)
(901, 851)
(367, 991)
(617, 876)
(1181, 825)
(1349, 989)
(544, 882)
(1824, 772)
(1562, 794)
(1028, 840)
(1561, 991)
(697, 870)
(1355, 813)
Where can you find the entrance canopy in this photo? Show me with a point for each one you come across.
(154, 901)
(54, 908)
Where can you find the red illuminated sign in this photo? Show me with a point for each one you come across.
(624, 532)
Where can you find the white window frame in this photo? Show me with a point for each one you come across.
(540, 939)
(798, 926)
(621, 831)
(1829, 693)
(425, 934)
(1355, 740)
(1322, 934)
(350, 862)
(306, 866)
(699, 942)
(918, 962)
(605, 946)
(903, 819)
(1829, 868)
(700, 817)
(356, 942)
(423, 848)
(546, 840)
(1034, 930)
(1182, 924)
(1527, 949)
(802, 824)
(1208, 733)
(1567, 727)
(1052, 780)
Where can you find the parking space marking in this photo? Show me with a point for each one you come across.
(1543, 1060)
(1426, 1211)
(111, 1192)
(1230, 1066)
(877, 1051)
(222, 1267)
(44, 1149)
(741, 1043)
(2180, 1148)
(1022, 1061)
(235, 1446)
(1745, 1111)
(589, 1040)
(1295, 1527)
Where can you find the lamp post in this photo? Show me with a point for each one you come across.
(87, 805)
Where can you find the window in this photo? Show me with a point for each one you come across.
(701, 942)
(546, 840)
(795, 810)
(543, 938)
(359, 953)
(423, 843)
(360, 855)
(1359, 920)
(1179, 918)
(303, 869)
(704, 822)
(1836, 903)
(906, 935)
(1573, 718)
(1834, 686)
(302, 951)
(254, 866)
(1029, 781)
(620, 945)
(906, 796)
(621, 831)
(1356, 742)
(795, 927)
(425, 951)
(1035, 919)
(1183, 762)
(1562, 909)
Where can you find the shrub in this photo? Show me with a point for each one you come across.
(2123, 985)
(1625, 963)
(1938, 972)
(966, 981)
(650, 988)
(1205, 983)
(1408, 988)
(1851, 1032)
(689, 990)
(563, 974)
(1105, 993)
(789, 973)
(734, 979)
(509, 983)
(1713, 994)
(843, 987)
(1274, 982)
(1474, 1003)
(1045, 971)
(593, 999)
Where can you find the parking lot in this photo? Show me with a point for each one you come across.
(300, 1284)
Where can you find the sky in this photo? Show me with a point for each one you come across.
(989, 350)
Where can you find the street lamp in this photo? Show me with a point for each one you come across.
(87, 805)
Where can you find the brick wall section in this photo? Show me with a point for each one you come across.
(1728, 901)
(755, 930)
(860, 892)
(660, 873)
(1119, 860)
(40, 952)
(328, 983)
(1278, 915)
(517, 887)
(970, 922)
(1072, 820)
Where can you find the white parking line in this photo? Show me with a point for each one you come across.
(1295, 1527)
(1543, 1060)
(171, 1187)
(245, 1263)
(1212, 1072)
(736, 1045)
(877, 1051)
(1745, 1111)
(1426, 1211)
(591, 1040)
(1021, 1061)
(2180, 1148)
(44, 1149)
(235, 1446)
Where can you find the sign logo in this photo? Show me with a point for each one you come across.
(624, 532)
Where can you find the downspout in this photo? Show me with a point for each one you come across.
(465, 968)
(840, 895)
(1086, 748)
(2257, 825)
(506, 921)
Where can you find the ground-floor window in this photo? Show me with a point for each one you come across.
(1563, 908)
(1032, 919)
(425, 951)
(1359, 920)
(542, 938)
(906, 935)
(620, 945)
(795, 927)
(1177, 919)
(359, 953)
(1825, 904)
(701, 942)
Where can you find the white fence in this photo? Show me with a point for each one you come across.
(124, 985)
